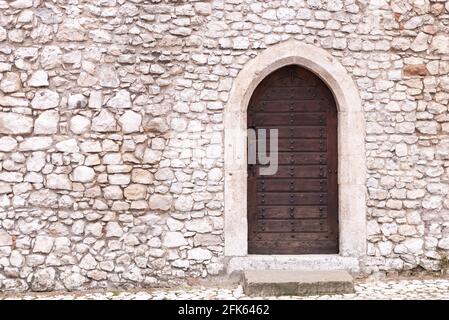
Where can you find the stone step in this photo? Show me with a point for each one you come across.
(296, 283)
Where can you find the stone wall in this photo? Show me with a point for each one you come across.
(111, 123)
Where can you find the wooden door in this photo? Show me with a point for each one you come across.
(295, 211)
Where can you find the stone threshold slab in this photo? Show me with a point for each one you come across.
(309, 262)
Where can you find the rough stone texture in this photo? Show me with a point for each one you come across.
(45, 99)
(111, 116)
(13, 123)
(38, 79)
(83, 174)
(47, 122)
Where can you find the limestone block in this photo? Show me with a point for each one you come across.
(14, 123)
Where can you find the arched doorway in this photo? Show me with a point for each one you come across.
(295, 210)
(351, 161)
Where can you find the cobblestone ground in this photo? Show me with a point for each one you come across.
(401, 289)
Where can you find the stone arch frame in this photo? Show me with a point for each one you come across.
(351, 148)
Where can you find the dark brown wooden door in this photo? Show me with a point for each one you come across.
(295, 211)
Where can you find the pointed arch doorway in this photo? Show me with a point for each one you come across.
(295, 210)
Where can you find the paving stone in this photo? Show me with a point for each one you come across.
(406, 289)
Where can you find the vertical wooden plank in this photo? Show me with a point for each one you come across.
(252, 179)
(332, 153)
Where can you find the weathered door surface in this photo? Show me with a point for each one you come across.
(295, 211)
